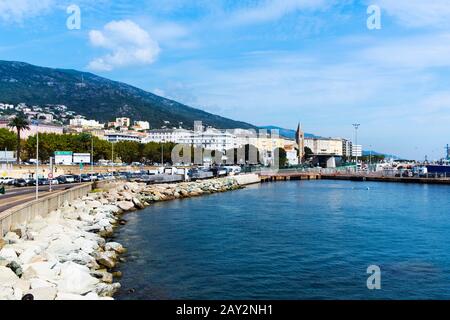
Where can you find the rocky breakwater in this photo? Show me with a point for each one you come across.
(66, 255)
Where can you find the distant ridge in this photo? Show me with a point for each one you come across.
(287, 133)
(98, 98)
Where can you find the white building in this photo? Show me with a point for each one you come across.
(347, 147)
(168, 135)
(123, 136)
(141, 125)
(81, 122)
(357, 150)
(324, 146)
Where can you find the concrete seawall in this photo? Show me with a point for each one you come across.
(389, 179)
(247, 179)
(43, 206)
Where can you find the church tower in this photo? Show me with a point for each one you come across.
(300, 139)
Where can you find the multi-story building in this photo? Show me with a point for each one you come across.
(114, 136)
(347, 148)
(34, 129)
(81, 122)
(123, 122)
(168, 135)
(141, 125)
(324, 146)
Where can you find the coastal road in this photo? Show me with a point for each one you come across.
(16, 196)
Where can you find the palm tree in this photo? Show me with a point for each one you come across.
(19, 123)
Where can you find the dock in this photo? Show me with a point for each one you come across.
(287, 176)
(386, 179)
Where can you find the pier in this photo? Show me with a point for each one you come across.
(286, 176)
(362, 177)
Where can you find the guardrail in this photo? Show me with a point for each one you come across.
(43, 206)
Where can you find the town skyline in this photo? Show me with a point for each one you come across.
(297, 60)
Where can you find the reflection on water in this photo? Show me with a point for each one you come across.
(291, 240)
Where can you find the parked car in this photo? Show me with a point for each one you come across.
(6, 180)
(65, 179)
(20, 183)
(70, 178)
(85, 178)
(43, 182)
(93, 176)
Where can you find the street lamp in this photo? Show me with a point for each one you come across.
(37, 159)
(92, 153)
(356, 126)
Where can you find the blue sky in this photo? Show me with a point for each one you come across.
(262, 61)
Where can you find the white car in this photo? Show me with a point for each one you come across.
(6, 180)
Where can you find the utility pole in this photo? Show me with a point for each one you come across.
(162, 154)
(356, 126)
(92, 153)
(112, 156)
(37, 161)
(51, 174)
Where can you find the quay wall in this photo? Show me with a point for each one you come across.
(388, 179)
(43, 206)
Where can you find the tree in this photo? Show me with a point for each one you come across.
(7, 139)
(19, 123)
(307, 153)
(128, 151)
(282, 157)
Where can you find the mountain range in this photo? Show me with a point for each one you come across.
(98, 98)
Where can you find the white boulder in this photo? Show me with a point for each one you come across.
(7, 277)
(76, 279)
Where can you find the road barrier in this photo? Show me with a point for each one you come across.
(43, 206)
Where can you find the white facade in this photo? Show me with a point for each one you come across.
(347, 147)
(141, 125)
(122, 136)
(357, 150)
(83, 123)
(324, 146)
(123, 122)
(210, 139)
(168, 135)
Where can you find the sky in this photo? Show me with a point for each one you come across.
(266, 62)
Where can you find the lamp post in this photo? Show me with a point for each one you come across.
(356, 126)
(162, 154)
(37, 160)
(92, 153)
(112, 156)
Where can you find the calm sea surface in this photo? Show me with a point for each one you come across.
(292, 240)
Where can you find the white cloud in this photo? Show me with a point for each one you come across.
(415, 52)
(18, 10)
(418, 13)
(128, 44)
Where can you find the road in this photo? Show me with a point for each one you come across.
(16, 196)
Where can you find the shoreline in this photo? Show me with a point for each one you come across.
(67, 256)
(438, 181)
